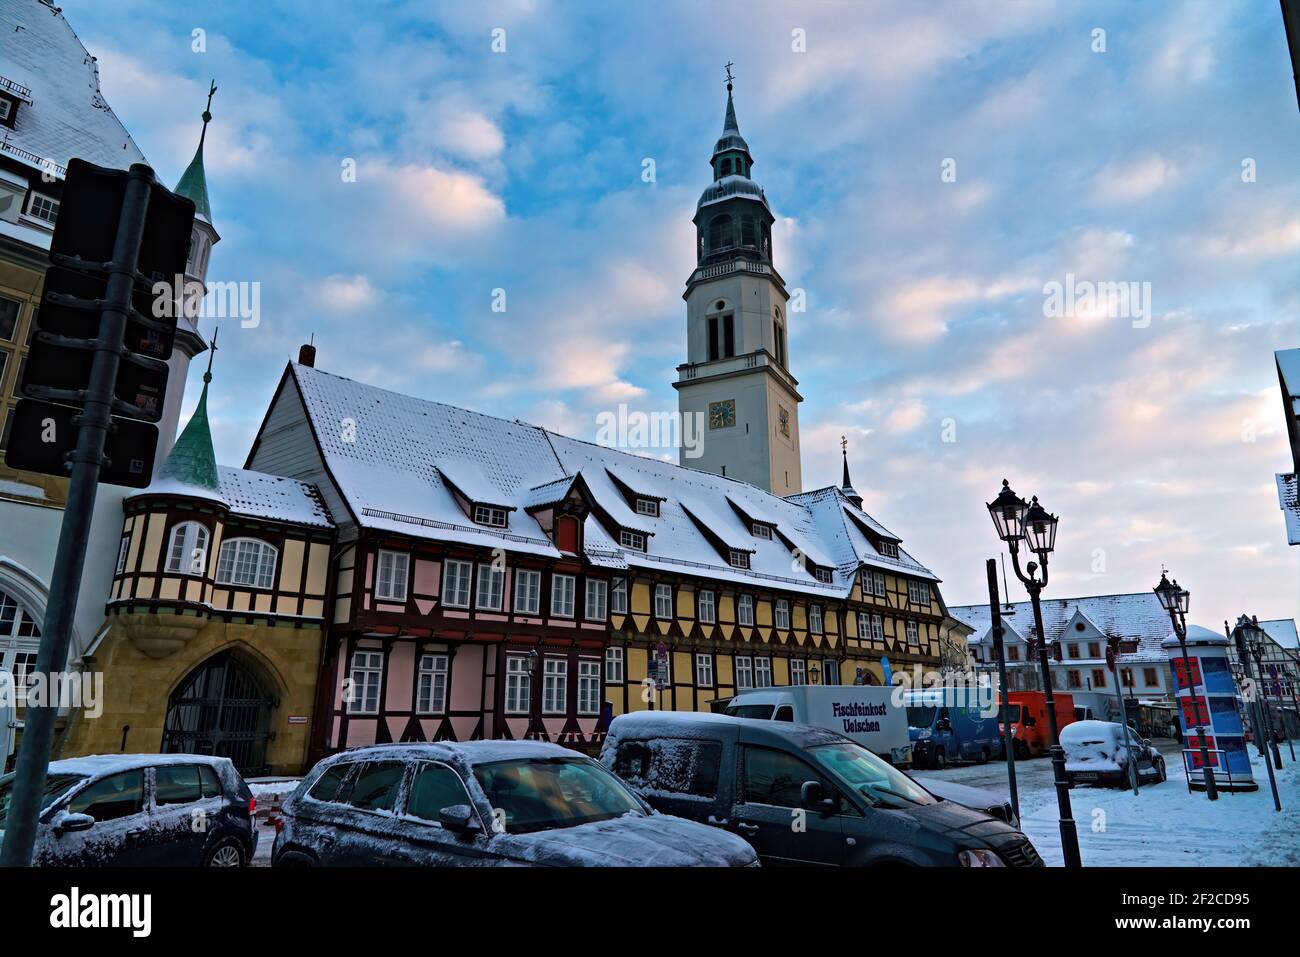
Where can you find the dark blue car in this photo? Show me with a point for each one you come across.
(135, 810)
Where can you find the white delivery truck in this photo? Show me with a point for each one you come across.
(865, 713)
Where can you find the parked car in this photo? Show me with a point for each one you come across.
(482, 803)
(949, 724)
(130, 810)
(1095, 754)
(757, 778)
(1031, 735)
(863, 713)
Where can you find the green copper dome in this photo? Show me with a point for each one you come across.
(194, 185)
(192, 461)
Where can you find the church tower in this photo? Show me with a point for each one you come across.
(736, 380)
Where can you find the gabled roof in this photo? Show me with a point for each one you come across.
(1288, 499)
(389, 462)
(1283, 632)
(1133, 617)
(845, 544)
(65, 114)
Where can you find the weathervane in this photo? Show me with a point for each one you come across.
(212, 351)
(844, 444)
(728, 67)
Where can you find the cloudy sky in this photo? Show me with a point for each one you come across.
(933, 167)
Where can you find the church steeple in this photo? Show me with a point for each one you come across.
(192, 461)
(736, 377)
(846, 485)
(193, 183)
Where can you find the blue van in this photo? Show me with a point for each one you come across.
(952, 724)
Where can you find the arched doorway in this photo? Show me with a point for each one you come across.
(222, 707)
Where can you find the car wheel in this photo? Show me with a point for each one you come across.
(293, 859)
(1161, 773)
(227, 852)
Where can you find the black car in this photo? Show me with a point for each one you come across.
(483, 803)
(134, 810)
(802, 795)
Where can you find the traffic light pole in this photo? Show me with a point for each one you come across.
(70, 558)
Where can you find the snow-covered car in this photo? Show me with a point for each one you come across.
(132, 810)
(977, 799)
(484, 803)
(1095, 754)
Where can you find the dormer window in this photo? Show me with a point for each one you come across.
(762, 531)
(647, 506)
(825, 575)
(888, 549)
(630, 539)
(490, 515)
(739, 559)
(6, 109)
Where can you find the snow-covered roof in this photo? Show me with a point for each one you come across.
(845, 543)
(1288, 499)
(258, 495)
(387, 453)
(1282, 631)
(1133, 617)
(64, 115)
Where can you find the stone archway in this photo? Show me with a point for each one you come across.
(223, 706)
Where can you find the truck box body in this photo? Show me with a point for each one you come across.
(865, 713)
(1030, 733)
(949, 724)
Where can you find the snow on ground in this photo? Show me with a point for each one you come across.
(1164, 825)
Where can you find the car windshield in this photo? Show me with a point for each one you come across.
(536, 794)
(763, 711)
(920, 717)
(1011, 712)
(55, 785)
(862, 770)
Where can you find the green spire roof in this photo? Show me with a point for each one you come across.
(194, 181)
(192, 460)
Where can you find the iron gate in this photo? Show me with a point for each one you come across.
(221, 708)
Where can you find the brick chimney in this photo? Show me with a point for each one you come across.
(307, 355)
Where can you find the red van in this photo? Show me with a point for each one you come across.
(1027, 711)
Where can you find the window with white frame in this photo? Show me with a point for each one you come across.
(798, 671)
(830, 671)
(491, 586)
(187, 554)
(825, 575)
(739, 559)
(6, 107)
(782, 613)
(613, 666)
(24, 664)
(663, 601)
(877, 583)
(123, 548)
(597, 599)
(562, 591)
(913, 633)
(431, 685)
(745, 610)
(762, 672)
(390, 583)
(703, 671)
(362, 693)
(555, 685)
(20, 639)
(630, 539)
(889, 549)
(247, 561)
(456, 583)
(647, 506)
(490, 515)
(618, 597)
(918, 593)
(588, 687)
(744, 672)
(528, 591)
(815, 619)
(761, 531)
(518, 684)
(708, 608)
(878, 627)
(864, 625)
(42, 207)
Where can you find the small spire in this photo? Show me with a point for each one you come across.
(846, 485)
(729, 124)
(192, 460)
(194, 181)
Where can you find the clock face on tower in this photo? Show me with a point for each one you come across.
(783, 420)
(722, 415)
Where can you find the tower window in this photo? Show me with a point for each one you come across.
(713, 338)
(748, 234)
(719, 233)
(726, 167)
(728, 335)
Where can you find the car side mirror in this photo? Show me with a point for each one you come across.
(813, 796)
(65, 822)
(459, 818)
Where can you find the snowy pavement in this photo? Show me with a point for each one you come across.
(1165, 825)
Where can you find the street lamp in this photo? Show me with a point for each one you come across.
(1243, 635)
(1176, 601)
(814, 674)
(534, 695)
(1255, 640)
(1017, 521)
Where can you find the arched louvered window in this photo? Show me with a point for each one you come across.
(187, 553)
(719, 233)
(748, 232)
(247, 561)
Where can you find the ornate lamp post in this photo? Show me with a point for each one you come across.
(1244, 636)
(534, 694)
(1175, 601)
(1017, 521)
(814, 675)
(1255, 641)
